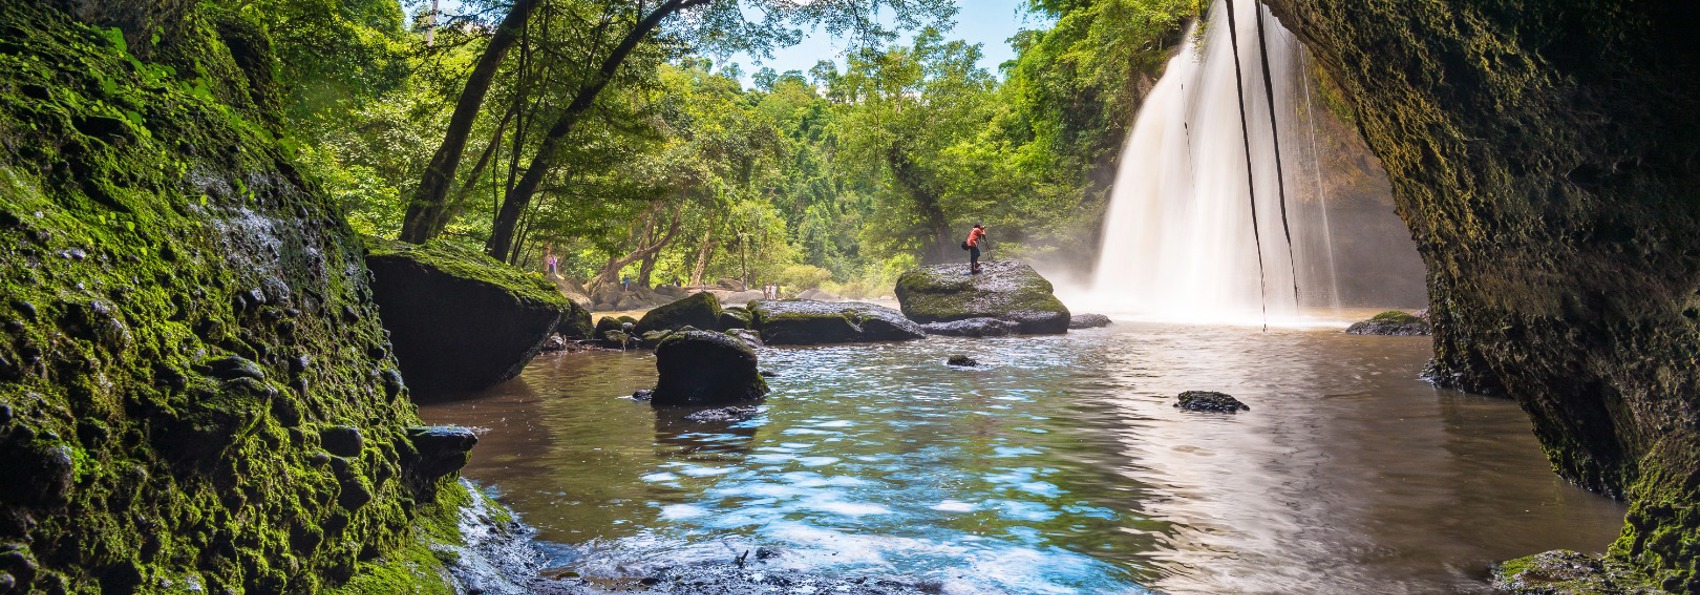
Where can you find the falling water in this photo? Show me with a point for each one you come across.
(1178, 241)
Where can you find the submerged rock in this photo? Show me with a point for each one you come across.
(1210, 402)
(1085, 321)
(701, 311)
(962, 361)
(1391, 322)
(460, 321)
(705, 368)
(808, 322)
(973, 327)
(1005, 289)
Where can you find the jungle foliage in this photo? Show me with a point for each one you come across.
(607, 135)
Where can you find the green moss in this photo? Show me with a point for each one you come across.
(700, 310)
(468, 263)
(181, 313)
(1396, 317)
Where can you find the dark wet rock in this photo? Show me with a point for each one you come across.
(342, 441)
(769, 374)
(1391, 322)
(1086, 321)
(554, 344)
(575, 323)
(700, 311)
(973, 327)
(437, 452)
(724, 414)
(962, 361)
(643, 394)
(1210, 402)
(460, 321)
(806, 322)
(705, 368)
(736, 317)
(1005, 289)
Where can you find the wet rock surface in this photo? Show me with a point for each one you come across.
(973, 327)
(1392, 323)
(808, 322)
(1086, 321)
(1210, 402)
(700, 311)
(1006, 289)
(459, 320)
(698, 368)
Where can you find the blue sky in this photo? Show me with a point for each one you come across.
(989, 23)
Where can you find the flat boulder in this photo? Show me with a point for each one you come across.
(973, 327)
(1085, 321)
(700, 368)
(701, 310)
(1006, 290)
(1391, 322)
(808, 322)
(459, 320)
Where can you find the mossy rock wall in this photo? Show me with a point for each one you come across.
(1543, 155)
(184, 321)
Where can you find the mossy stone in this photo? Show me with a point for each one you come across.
(1006, 290)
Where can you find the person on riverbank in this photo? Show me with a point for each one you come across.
(975, 237)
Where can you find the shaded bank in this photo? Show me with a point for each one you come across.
(1542, 154)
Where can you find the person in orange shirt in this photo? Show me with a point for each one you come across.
(977, 235)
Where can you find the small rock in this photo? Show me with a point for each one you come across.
(554, 344)
(962, 361)
(342, 441)
(1212, 402)
(724, 414)
(749, 337)
(437, 451)
(643, 394)
(1392, 323)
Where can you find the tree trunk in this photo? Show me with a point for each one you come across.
(647, 247)
(502, 230)
(430, 200)
(705, 251)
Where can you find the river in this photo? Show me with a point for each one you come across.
(1058, 466)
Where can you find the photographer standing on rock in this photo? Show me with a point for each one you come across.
(972, 245)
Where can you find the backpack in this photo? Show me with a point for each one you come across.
(965, 245)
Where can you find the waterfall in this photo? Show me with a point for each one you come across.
(1178, 239)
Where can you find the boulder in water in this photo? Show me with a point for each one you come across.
(1085, 321)
(575, 323)
(807, 322)
(1005, 289)
(1210, 402)
(1391, 322)
(973, 327)
(962, 361)
(701, 311)
(698, 368)
(459, 320)
(735, 317)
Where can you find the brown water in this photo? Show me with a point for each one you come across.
(1060, 466)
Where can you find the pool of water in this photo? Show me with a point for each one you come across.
(1058, 466)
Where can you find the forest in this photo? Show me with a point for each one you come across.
(606, 134)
